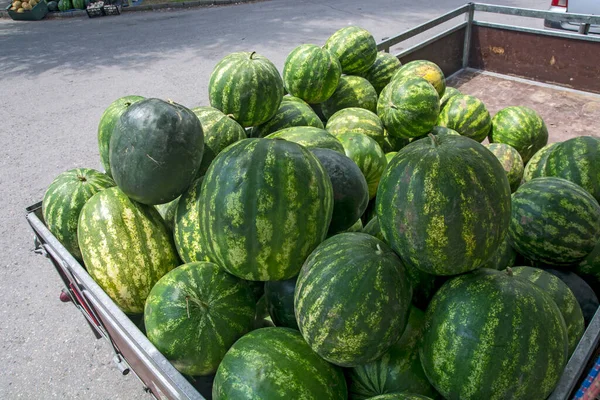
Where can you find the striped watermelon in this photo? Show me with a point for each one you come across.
(562, 296)
(280, 302)
(554, 221)
(577, 160)
(399, 370)
(356, 227)
(449, 92)
(520, 127)
(126, 247)
(354, 47)
(467, 115)
(350, 189)
(219, 130)
(481, 341)
(408, 107)
(585, 295)
(380, 73)
(400, 396)
(309, 137)
(64, 199)
(275, 363)
(352, 91)
(357, 120)
(195, 313)
(292, 112)
(367, 154)
(536, 165)
(504, 257)
(590, 267)
(311, 73)
(319, 111)
(107, 124)
(167, 212)
(247, 76)
(444, 204)
(392, 143)
(511, 161)
(352, 299)
(390, 155)
(246, 192)
(424, 69)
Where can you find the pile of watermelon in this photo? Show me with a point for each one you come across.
(339, 231)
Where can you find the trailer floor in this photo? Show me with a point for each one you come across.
(567, 113)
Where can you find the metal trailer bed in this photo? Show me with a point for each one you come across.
(502, 64)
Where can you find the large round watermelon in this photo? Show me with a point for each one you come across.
(64, 199)
(590, 266)
(577, 160)
(490, 335)
(398, 370)
(246, 85)
(311, 73)
(408, 107)
(219, 130)
(585, 295)
(107, 124)
(367, 154)
(279, 296)
(126, 247)
(467, 115)
(352, 91)
(554, 221)
(309, 137)
(195, 313)
(511, 161)
(562, 296)
(350, 189)
(504, 257)
(352, 299)
(449, 92)
(424, 69)
(354, 47)
(292, 112)
(65, 5)
(536, 164)
(275, 363)
(78, 4)
(156, 150)
(444, 204)
(264, 206)
(382, 70)
(520, 127)
(357, 120)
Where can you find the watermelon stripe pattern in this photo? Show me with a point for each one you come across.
(354, 47)
(357, 120)
(468, 116)
(537, 164)
(126, 247)
(248, 192)
(449, 92)
(249, 76)
(511, 161)
(64, 200)
(309, 137)
(292, 112)
(352, 91)
(382, 70)
(426, 70)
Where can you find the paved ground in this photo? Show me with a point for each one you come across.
(56, 78)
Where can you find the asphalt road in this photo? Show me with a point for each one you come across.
(56, 78)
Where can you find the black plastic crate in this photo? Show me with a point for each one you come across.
(111, 9)
(94, 12)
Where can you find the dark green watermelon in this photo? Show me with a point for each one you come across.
(590, 267)
(354, 47)
(79, 4)
(400, 396)
(536, 164)
(511, 161)
(426, 70)
(504, 257)
(156, 150)
(65, 5)
(309, 137)
(293, 111)
(586, 297)
(195, 313)
(352, 299)
(352, 91)
(350, 189)
(279, 296)
(381, 71)
(167, 212)
(274, 363)
(52, 6)
(467, 115)
(444, 204)
(491, 335)
(554, 221)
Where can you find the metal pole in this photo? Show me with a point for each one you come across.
(467, 46)
(584, 29)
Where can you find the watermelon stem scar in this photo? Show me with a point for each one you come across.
(509, 271)
(252, 54)
(434, 140)
(81, 178)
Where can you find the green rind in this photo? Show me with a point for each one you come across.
(219, 131)
(521, 128)
(357, 120)
(504, 257)
(126, 247)
(246, 85)
(562, 296)
(511, 161)
(352, 91)
(444, 204)
(400, 396)
(167, 212)
(195, 313)
(64, 199)
(426, 70)
(250, 189)
(590, 267)
(481, 340)
(354, 47)
(367, 154)
(449, 92)
(311, 73)
(408, 107)
(309, 137)
(352, 299)
(554, 221)
(280, 302)
(536, 164)
(467, 115)
(293, 111)
(390, 155)
(381, 71)
(398, 370)
(276, 363)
